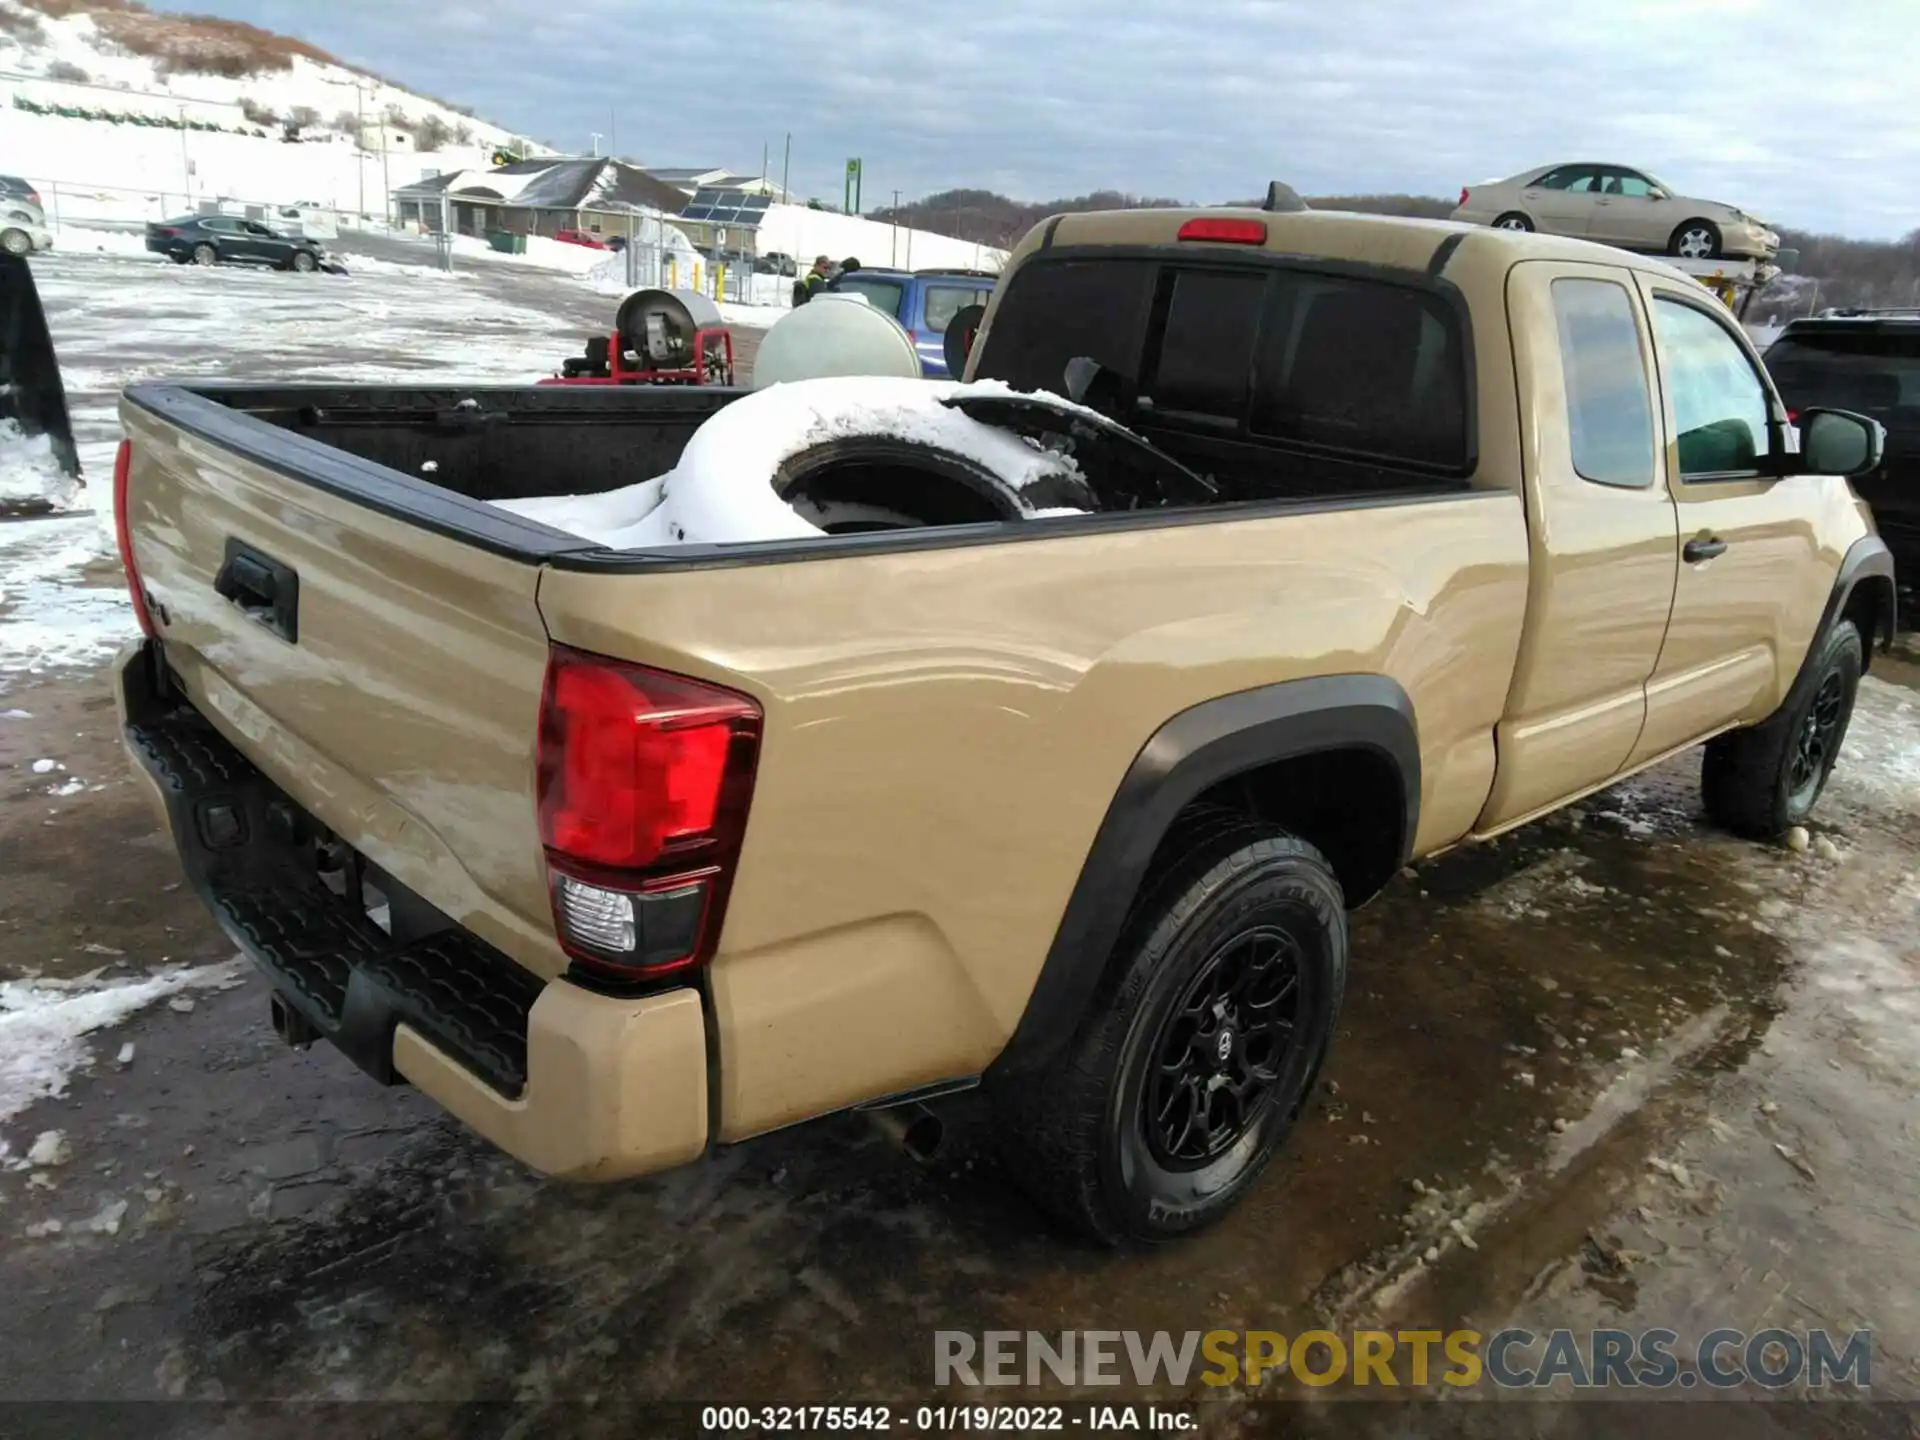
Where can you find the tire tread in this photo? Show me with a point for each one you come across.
(1052, 1122)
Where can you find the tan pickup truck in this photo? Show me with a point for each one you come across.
(622, 855)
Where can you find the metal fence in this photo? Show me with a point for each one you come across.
(117, 207)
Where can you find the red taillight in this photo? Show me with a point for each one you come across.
(122, 468)
(1463, 194)
(644, 781)
(1793, 417)
(1225, 231)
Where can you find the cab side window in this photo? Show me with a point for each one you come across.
(1720, 405)
(1609, 402)
(1578, 178)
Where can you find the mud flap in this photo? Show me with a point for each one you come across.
(31, 394)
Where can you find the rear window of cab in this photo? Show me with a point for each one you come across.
(1328, 361)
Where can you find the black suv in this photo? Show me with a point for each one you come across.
(1867, 361)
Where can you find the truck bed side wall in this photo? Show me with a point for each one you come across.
(946, 728)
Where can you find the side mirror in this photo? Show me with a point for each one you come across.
(1839, 442)
(1656, 194)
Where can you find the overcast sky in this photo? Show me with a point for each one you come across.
(1801, 112)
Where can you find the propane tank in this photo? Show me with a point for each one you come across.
(835, 333)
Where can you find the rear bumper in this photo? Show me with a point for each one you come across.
(577, 1084)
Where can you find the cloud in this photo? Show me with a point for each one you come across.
(1808, 122)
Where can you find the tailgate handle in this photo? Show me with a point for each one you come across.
(263, 588)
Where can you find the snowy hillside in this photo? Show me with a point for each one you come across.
(798, 231)
(125, 114)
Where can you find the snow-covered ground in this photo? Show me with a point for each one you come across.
(122, 316)
(44, 1025)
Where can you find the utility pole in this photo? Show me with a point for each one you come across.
(386, 176)
(360, 144)
(786, 171)
(893, 240)
(186, 160)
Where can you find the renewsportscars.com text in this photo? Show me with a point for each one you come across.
(1509, 1359)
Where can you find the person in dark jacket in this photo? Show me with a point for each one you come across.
(818, 276)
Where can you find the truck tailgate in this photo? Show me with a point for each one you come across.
(385, 676)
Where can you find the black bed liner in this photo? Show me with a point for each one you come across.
(278, 428)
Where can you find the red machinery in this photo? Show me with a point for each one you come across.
(660, 337)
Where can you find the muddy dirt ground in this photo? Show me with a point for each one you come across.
(1616, 1070)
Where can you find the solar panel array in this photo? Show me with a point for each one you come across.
(711, 206)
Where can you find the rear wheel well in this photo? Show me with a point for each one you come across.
(1350, 804)
(1870, 606)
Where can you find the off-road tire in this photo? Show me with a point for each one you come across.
(17, 242)
(1513, 220)
(204, 254)
(1074, 1135)
(303, 262)
(1677, 243)
(1747, 777)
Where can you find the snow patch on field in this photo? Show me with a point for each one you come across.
(1880, 761)
(92, 240)
(139, 172)
(753, 317)
(63, 603)
(804, 233)
(721, 491)
(28, 471)
(44, 1024)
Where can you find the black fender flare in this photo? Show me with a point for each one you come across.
(1186, 756)
(1867, 559)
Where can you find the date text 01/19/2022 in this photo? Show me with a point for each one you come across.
(938, 1419)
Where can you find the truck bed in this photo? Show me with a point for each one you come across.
(436, 457)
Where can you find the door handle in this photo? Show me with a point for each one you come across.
(1704, 549)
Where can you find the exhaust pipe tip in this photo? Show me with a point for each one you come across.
(914, 1128)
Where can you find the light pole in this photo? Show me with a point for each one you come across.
(360, 144)
(186, 160)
